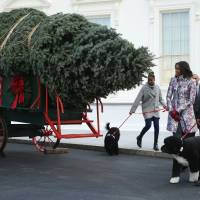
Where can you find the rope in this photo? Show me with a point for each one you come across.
(11, 31)
(31, 34)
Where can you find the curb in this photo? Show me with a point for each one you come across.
(134, 151)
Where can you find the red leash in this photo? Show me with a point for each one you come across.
(124, 122)
(152, 111)
(163, 110)
(188, 132)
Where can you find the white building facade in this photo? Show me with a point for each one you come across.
(169, 28)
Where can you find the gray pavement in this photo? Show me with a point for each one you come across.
(87, 175)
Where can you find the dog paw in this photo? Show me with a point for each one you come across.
(174, 180)
(193, 177)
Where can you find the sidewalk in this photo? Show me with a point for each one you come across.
(127, 143)
(127, 140)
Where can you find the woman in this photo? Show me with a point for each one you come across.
(180, 100)
(151, 97)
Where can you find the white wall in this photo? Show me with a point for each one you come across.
(134, 21)
(137, 20)
(57, 6)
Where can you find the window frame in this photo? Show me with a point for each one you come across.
(161, 38)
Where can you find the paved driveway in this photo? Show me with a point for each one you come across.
(87, 175)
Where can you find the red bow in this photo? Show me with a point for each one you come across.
(17, 88)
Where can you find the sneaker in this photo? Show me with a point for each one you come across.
(156, 148)
(174, 180)
(139, 141)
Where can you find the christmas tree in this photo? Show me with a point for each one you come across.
(77, 59)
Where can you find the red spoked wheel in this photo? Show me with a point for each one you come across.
(47, 140)
(3, 134)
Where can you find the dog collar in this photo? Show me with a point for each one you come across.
(181, 149)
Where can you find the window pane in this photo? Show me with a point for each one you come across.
(175, 42)
(102, 20)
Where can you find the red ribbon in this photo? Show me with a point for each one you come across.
(17, 88)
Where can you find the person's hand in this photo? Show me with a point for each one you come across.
(130, 113)
(165, 107)
(198, 122)
(175, 115)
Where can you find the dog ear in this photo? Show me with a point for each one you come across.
(108, 126)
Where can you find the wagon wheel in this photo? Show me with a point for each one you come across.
(47, 140)
(3, 134)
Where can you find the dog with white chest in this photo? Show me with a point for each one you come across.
(186, 154)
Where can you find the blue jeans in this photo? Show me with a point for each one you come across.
(148, 123)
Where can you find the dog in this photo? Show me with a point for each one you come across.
(111, 140)
(186, 153)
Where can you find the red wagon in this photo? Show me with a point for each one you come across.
(25, 100)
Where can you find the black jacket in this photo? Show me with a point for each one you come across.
(197, 105)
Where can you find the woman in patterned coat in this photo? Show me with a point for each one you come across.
(180, 99)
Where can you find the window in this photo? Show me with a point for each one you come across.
(102, 20)
(175, 42)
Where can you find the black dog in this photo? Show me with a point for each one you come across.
(185, 153)
(111, 140)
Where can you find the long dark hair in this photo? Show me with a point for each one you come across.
(185, 69)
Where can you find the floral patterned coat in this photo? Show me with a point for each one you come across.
(181, 96)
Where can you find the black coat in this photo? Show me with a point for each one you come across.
(197, 105)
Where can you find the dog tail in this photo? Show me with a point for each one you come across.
(108, 126)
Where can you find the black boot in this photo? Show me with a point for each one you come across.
(139, 141)
(155, 147)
